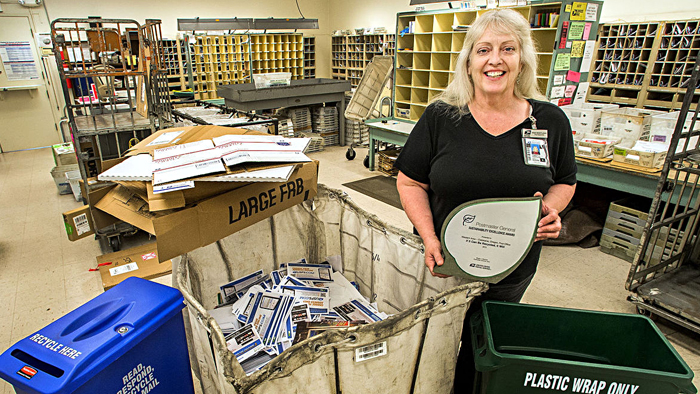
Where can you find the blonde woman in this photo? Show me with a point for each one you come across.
(469, 144)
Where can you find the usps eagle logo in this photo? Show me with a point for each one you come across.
(468, 219)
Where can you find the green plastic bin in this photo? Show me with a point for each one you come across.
(521, 348)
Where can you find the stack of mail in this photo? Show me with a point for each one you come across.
(260, 313)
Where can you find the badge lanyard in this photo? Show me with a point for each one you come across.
(535, 149)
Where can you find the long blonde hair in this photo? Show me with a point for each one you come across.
(460, 92)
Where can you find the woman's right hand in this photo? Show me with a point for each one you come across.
(433, 256)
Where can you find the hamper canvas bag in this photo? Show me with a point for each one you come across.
(419, 343)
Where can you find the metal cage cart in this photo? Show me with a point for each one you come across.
(116, 92)
(664, 277)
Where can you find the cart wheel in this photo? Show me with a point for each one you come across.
(115, 243)
(646, 312)
(366, 161)
(350, 154)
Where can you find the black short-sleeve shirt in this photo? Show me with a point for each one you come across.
(461, 162)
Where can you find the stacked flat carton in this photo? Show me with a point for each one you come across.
(325, 123)
(191, 186)
(301, 118)
(356, 132)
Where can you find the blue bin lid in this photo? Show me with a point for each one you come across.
(64, 355)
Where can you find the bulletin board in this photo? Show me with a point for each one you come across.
(573, 51)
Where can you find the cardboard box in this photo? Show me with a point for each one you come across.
(638, 157)
(663, 126)
(183, 230)
(141, 261)
(597, 148)
(203, 190)
(78, 223)
(64, 154)
(59, 177)
(585, 117)
(629, 124)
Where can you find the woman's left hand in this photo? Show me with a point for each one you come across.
(549, 225)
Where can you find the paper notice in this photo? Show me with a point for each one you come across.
(576, 30)
(557, 92)
(558, 79)
(591, 11)
(563, 62)
(587, 56)
(569, 92)
(580, 95)
(573, 76)
(18, 60)
(564, 32)
(587, 30)
(578, 11)
(577, 48)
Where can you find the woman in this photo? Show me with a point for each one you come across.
(469, 144)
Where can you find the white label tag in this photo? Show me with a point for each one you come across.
(584, 149)
(371, 351)
(81, 224)
(123, 269)
(632, 157)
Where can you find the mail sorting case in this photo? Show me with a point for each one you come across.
(421, 339)
(525, 349)
(128, 340)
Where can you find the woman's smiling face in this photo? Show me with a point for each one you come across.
(494, 64)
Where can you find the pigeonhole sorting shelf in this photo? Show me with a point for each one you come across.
(524, 349)
(128, 340)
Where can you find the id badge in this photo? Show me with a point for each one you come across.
(535, 149)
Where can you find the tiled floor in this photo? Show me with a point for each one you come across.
(43, 275)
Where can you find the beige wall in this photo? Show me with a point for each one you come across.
(169, 11)
(373, 13)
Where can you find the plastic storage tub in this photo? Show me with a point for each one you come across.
(525, 349)
(130, 339)
(421, 340)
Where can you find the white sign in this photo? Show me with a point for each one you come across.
(587, 57)
(18, 60)
(486, 239)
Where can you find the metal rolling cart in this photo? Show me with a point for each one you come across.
(115, 89)
(665, 277)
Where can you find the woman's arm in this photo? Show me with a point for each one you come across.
(556, 199)
(414, 198)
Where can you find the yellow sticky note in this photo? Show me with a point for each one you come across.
(578, 11)
(567, 8)
(577, 48)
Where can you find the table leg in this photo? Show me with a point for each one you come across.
(371, 152)
(341, 119)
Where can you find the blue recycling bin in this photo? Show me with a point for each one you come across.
(128, 340)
